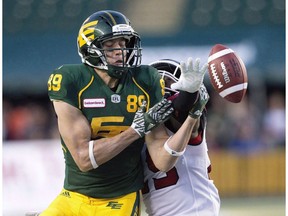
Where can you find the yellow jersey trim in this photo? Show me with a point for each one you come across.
(146, 94)
(80, 93)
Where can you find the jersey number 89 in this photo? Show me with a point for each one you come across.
(54, 82)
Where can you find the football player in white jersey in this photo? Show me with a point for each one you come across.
(185, 190)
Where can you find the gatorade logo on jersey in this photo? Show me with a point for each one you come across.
(94, 102)
(115, 98)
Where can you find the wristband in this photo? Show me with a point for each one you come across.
(91, 154)
(171, 151)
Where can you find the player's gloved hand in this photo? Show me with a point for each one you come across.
(198, 107)
(191, 77)
(144, 122)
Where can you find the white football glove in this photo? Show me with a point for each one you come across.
(191, 77)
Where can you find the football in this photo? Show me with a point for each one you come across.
(227, 73)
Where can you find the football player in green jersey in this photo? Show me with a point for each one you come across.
(106, 108)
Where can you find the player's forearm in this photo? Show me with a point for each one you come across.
(107, 148)
(165, 160)
(179, 140)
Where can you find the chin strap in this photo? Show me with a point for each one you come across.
(116, 71)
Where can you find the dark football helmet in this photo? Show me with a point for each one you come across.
(100, 27)
(169, 70)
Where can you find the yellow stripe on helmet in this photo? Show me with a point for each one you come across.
(86, 30)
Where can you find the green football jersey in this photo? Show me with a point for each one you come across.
(109, 113)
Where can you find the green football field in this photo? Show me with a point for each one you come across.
(255, 206)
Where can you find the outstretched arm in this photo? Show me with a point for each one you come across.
(164, 152)
(164, 160)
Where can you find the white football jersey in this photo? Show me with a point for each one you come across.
(185, 190)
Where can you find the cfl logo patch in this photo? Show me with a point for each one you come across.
(115, 98)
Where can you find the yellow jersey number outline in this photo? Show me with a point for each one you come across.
(54, 82)
(162, 84)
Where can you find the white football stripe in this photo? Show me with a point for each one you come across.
(219, 54)
(233, 89)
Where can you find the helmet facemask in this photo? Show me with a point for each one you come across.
(131, 57)
(132, 51)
